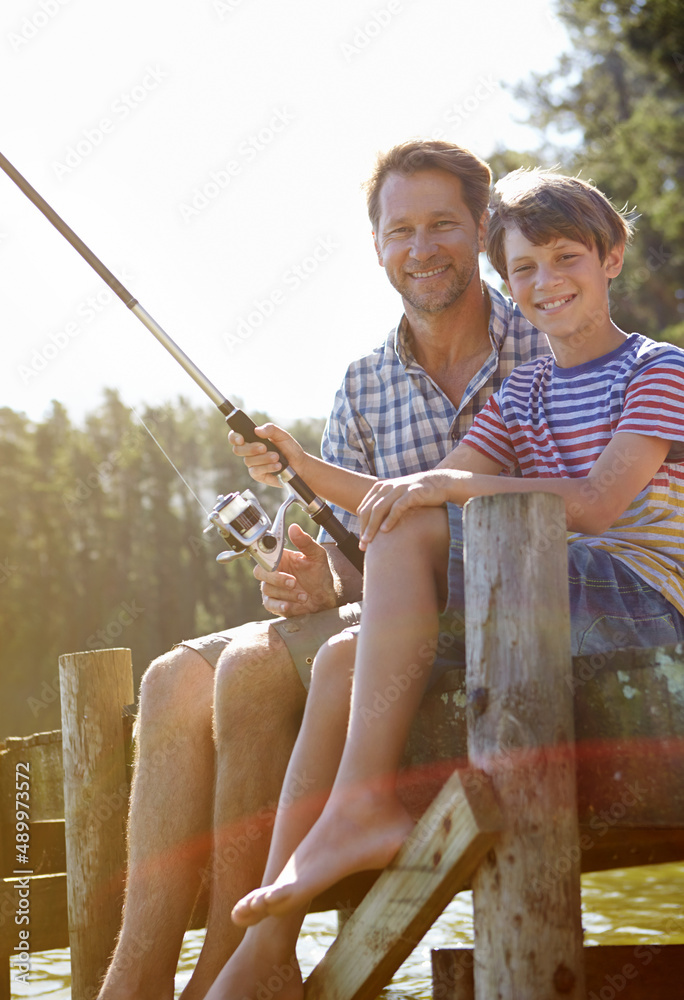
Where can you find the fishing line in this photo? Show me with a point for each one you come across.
(169, 460)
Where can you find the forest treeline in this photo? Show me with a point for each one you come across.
(102, 544)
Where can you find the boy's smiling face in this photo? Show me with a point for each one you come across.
(562, 288)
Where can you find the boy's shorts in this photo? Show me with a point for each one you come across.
(610, 606)
(303, 636)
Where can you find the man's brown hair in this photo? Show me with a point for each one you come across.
(431, 154)
(545, 206)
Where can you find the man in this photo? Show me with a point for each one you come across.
(399, 410)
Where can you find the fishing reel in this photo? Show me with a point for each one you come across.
(246, 527)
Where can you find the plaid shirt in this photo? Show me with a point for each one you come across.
(390, 419)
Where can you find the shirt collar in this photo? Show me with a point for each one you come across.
(499, 319)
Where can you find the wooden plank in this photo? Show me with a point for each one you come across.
(94, 688)
(629, 713)
(47, 849)
(629, 731)
(448, 843)
(632, 972)
(528, 929)
(47, 901)
(42, 752)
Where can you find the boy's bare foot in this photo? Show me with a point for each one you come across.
(355, 832)
(264, 964)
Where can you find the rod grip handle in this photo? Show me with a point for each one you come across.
(242, 423)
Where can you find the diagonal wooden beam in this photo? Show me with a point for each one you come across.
(437, 860)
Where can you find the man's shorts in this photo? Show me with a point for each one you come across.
(303, 636)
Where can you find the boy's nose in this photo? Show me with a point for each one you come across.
(547, 276)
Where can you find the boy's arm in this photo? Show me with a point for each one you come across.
(340, 486)
(592, 503)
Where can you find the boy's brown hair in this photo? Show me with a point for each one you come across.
(545, 205)
(431, 154)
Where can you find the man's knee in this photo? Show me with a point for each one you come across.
(178, 684)
(255, 675)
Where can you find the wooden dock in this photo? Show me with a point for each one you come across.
(525, 768)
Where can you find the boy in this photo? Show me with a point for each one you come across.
(601, 423)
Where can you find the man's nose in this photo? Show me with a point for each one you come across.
(423, 245)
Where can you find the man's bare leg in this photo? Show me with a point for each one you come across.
(259, 700)
(364, 822)
(266, 961)
(170, 823)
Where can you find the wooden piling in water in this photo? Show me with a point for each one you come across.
(526, 893)
(94, 688)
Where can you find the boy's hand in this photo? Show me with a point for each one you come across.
(264, 465)
(388, 500)
(303, 583)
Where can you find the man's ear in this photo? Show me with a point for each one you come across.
(378, 251)
(482, 231)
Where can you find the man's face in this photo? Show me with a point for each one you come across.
(427, 240)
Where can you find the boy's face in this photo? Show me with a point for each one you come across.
(562, 288)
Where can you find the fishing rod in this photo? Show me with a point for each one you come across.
(239, 518)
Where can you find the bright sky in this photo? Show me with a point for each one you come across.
(211, 154)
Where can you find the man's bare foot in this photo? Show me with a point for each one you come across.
(355, 832)
(264, 964)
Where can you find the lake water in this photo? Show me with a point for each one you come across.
(631, 906)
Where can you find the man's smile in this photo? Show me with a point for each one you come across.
(428, 274)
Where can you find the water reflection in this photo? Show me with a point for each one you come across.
(632, 906)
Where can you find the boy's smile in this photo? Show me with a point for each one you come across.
(562, 288)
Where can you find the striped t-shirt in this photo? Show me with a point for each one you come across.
(555, 422)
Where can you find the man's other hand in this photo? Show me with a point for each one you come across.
(303, 582)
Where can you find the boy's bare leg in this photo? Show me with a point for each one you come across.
(170, 823)
(364, 823)
(259, 700)
(265, 961)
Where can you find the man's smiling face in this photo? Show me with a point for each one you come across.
(427, 240)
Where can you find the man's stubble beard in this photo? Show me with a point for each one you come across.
(435, 302)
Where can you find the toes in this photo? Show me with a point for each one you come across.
(248, 910)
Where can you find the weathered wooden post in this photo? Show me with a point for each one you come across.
(526, 893)
(94, 688)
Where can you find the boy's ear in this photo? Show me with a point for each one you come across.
(510, 290)
(614, 260)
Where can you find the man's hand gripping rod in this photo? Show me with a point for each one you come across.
(263, 543)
